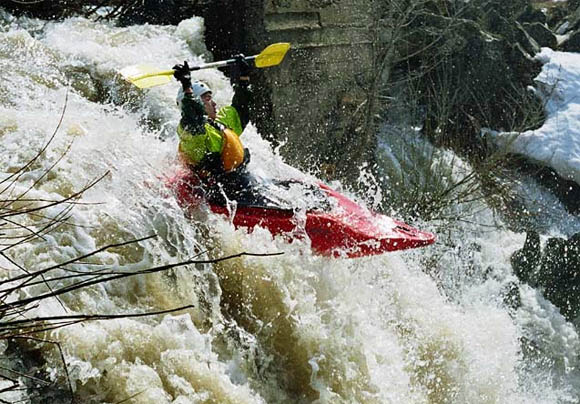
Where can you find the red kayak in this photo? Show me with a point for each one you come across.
(336, 225)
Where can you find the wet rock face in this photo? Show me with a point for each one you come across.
(555, 270)
(541, 34)
(532, 15)
(572, 43)
(569, 25)
(525, 262)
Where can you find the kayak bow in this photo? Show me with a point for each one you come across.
(340, 228)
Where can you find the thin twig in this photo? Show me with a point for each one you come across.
(61, 353)
(71, 197)
(81, 257)
(67, 289)
(89, 317)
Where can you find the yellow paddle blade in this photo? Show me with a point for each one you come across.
(145, 76)
(272, 55)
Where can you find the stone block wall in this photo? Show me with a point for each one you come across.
(307, 101)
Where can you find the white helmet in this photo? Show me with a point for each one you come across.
(199, 88)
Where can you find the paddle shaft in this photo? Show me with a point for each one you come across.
(144, 76)
(221, 63)
(211, 65)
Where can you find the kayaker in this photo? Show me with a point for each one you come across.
(209, 138)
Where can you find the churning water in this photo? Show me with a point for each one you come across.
(425, 326)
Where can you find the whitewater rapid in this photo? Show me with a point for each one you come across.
(425, 326)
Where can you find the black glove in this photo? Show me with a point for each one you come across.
(239, 69)
(183, 74)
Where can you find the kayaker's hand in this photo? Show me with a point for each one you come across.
(243, 65)
(240, 70)
(182, 73)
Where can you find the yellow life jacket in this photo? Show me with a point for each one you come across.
(194, 147)
(232, 150)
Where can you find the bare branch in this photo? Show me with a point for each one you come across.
(84, 284)
(88, 317)
(29, 278)
(73, 196)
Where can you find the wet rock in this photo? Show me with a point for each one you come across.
(511, 296)
(553, 261)
(42, 9)
(511, 31)
(525, 261)
(555, 17)
(572, 43)
(150, 11)
(565, 19)
(555, 270)
(567, 191)
(531, 14)
(541, 34)
(573, 16)
(509, 9)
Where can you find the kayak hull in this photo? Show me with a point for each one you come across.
(348, 230)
